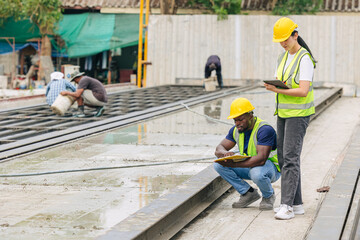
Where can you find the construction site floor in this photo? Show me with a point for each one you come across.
(325, 145)
(85, 205)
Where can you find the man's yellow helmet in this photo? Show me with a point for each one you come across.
(240, 106)
(283, 29)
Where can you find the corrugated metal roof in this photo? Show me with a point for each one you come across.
(114, 3)
(327, 5)
(251, 5)
(259, 5)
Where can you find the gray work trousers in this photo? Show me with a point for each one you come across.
(291, 132)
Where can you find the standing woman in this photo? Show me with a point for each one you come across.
(294, 106)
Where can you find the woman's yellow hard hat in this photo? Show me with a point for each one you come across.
(240, 106)
(283, 29)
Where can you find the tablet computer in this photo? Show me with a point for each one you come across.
(276, 83)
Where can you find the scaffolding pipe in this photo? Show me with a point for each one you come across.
(140, 44)
(146, 39)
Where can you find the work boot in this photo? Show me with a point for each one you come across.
(246, 199)
(267, 203)
(100, 111)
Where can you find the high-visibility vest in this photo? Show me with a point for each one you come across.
(289, 106)
(251, 149)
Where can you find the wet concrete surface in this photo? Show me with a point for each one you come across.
(325, 145)
(84, 205)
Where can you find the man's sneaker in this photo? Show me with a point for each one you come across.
(80, 115)
(267, 203)
(298, 209)
(100, 111)
(285, 212)
(246, 199)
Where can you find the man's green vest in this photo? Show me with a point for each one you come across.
(289, 106)
(251, 149)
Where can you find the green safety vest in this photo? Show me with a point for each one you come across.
(251, 149)
(289, 106)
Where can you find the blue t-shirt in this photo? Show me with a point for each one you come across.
(266, 136)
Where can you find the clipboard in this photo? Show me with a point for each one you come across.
(235, 158)
(276, 83)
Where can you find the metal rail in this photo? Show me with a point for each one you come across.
(338, 217)
(28, 129)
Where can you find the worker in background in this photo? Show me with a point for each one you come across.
(294, 106)
(90, 92)
(256, 139)
(213, 64)
(33, 70)
(57, 85)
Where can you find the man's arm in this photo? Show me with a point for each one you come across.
(222, 150)
(69, 85)
(258, 160)
(207, 72)
(76, 94)
(47, 89)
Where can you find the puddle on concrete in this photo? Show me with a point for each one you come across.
(102, 210)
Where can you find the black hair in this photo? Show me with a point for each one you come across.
(304, 45)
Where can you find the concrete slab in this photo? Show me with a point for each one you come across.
(84, 205)
(325, 144)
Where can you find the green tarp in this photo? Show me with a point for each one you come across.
(91, 33)
(21, 30)
(84, 34)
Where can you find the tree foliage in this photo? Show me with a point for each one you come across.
(281, 7)
(220, 7)
(296, 7)
(44, 13)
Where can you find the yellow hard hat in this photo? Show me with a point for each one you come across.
(283, 29)
(240, 106)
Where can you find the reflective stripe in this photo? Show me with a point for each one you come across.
(296, 106)
(262, 123)
(272, 154)
(294, 66)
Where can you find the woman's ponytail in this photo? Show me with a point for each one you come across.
(304, 45)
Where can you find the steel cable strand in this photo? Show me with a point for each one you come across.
(104, 168)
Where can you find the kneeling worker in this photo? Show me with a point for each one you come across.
(90, 92)
(256, 139)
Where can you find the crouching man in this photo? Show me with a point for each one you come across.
(90, 92)
(256, 139)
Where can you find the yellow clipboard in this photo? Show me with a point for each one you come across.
(235, 158)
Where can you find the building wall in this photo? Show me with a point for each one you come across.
(7, 60)
(178, 46)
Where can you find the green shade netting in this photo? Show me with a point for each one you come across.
(91, 33)
(21, 30)
(126, 31)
